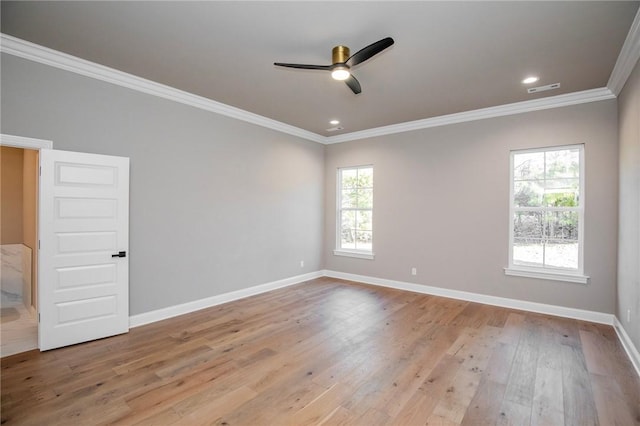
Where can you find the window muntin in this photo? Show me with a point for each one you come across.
(355, 209)
(547, 209)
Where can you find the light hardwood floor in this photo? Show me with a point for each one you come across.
(333, 352)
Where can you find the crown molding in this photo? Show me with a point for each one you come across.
(627, 59)
(36, 53)
(575, 98)
(33, 52)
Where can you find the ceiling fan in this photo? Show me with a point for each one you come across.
(342, 62)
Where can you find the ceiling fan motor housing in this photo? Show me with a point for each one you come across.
(339, 54)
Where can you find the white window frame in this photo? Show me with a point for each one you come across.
(549, 272)
(339, 251)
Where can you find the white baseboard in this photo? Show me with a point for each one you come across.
(560, 311)
(196, 305)
(628, 345)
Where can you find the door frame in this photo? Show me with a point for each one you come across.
(36, 145)
(26, 143)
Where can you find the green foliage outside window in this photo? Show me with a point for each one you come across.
(356, 216)
(546, 207)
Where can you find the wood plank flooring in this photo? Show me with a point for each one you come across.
(332, 352)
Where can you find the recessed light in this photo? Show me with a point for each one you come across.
(530, 80)
(334, 122)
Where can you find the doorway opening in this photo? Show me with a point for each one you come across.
(81, 269)
(18, 246)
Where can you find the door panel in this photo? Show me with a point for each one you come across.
(85, 276)
(79, 208)
(87, 241)
(84, 220)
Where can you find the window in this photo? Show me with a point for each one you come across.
(355, 212)
(547, 213)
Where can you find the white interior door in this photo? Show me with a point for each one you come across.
(84, 241)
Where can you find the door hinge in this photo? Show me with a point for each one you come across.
(38, 316)
(38, 244)
(40, 170)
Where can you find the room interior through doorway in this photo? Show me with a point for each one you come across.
(19, 239)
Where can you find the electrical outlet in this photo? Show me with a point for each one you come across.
(414, 271)
(302, 263)
(628, 315)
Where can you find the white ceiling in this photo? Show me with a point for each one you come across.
(448, 57)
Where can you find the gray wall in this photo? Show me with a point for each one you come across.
(217, 204)
(629, 235)
(441, 204)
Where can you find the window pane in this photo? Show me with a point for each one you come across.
(561, 199)
(348, 238)
(549, 180)
(349, 178)
(562, 226)
(363, 221)
(348, 219)
(528, 166)
(567, 184)
(365, 198)
(355, 205)
(528, 225)
(528, 238)
(528, 252)
(347, 229)
(561, 254)
(349, 198)
(562, 192)
(365, 177)
(528, 193)
(561, 250)
(563, 164)
(364, 240)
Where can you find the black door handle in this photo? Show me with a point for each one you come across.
(120, 254)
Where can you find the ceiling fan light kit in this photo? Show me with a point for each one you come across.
(341, 62)
(340, 73)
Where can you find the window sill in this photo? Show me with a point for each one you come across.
(547, 275)
(357, 254)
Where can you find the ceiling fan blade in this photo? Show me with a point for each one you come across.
(353, 84)
(305, 67)
(369, 51)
